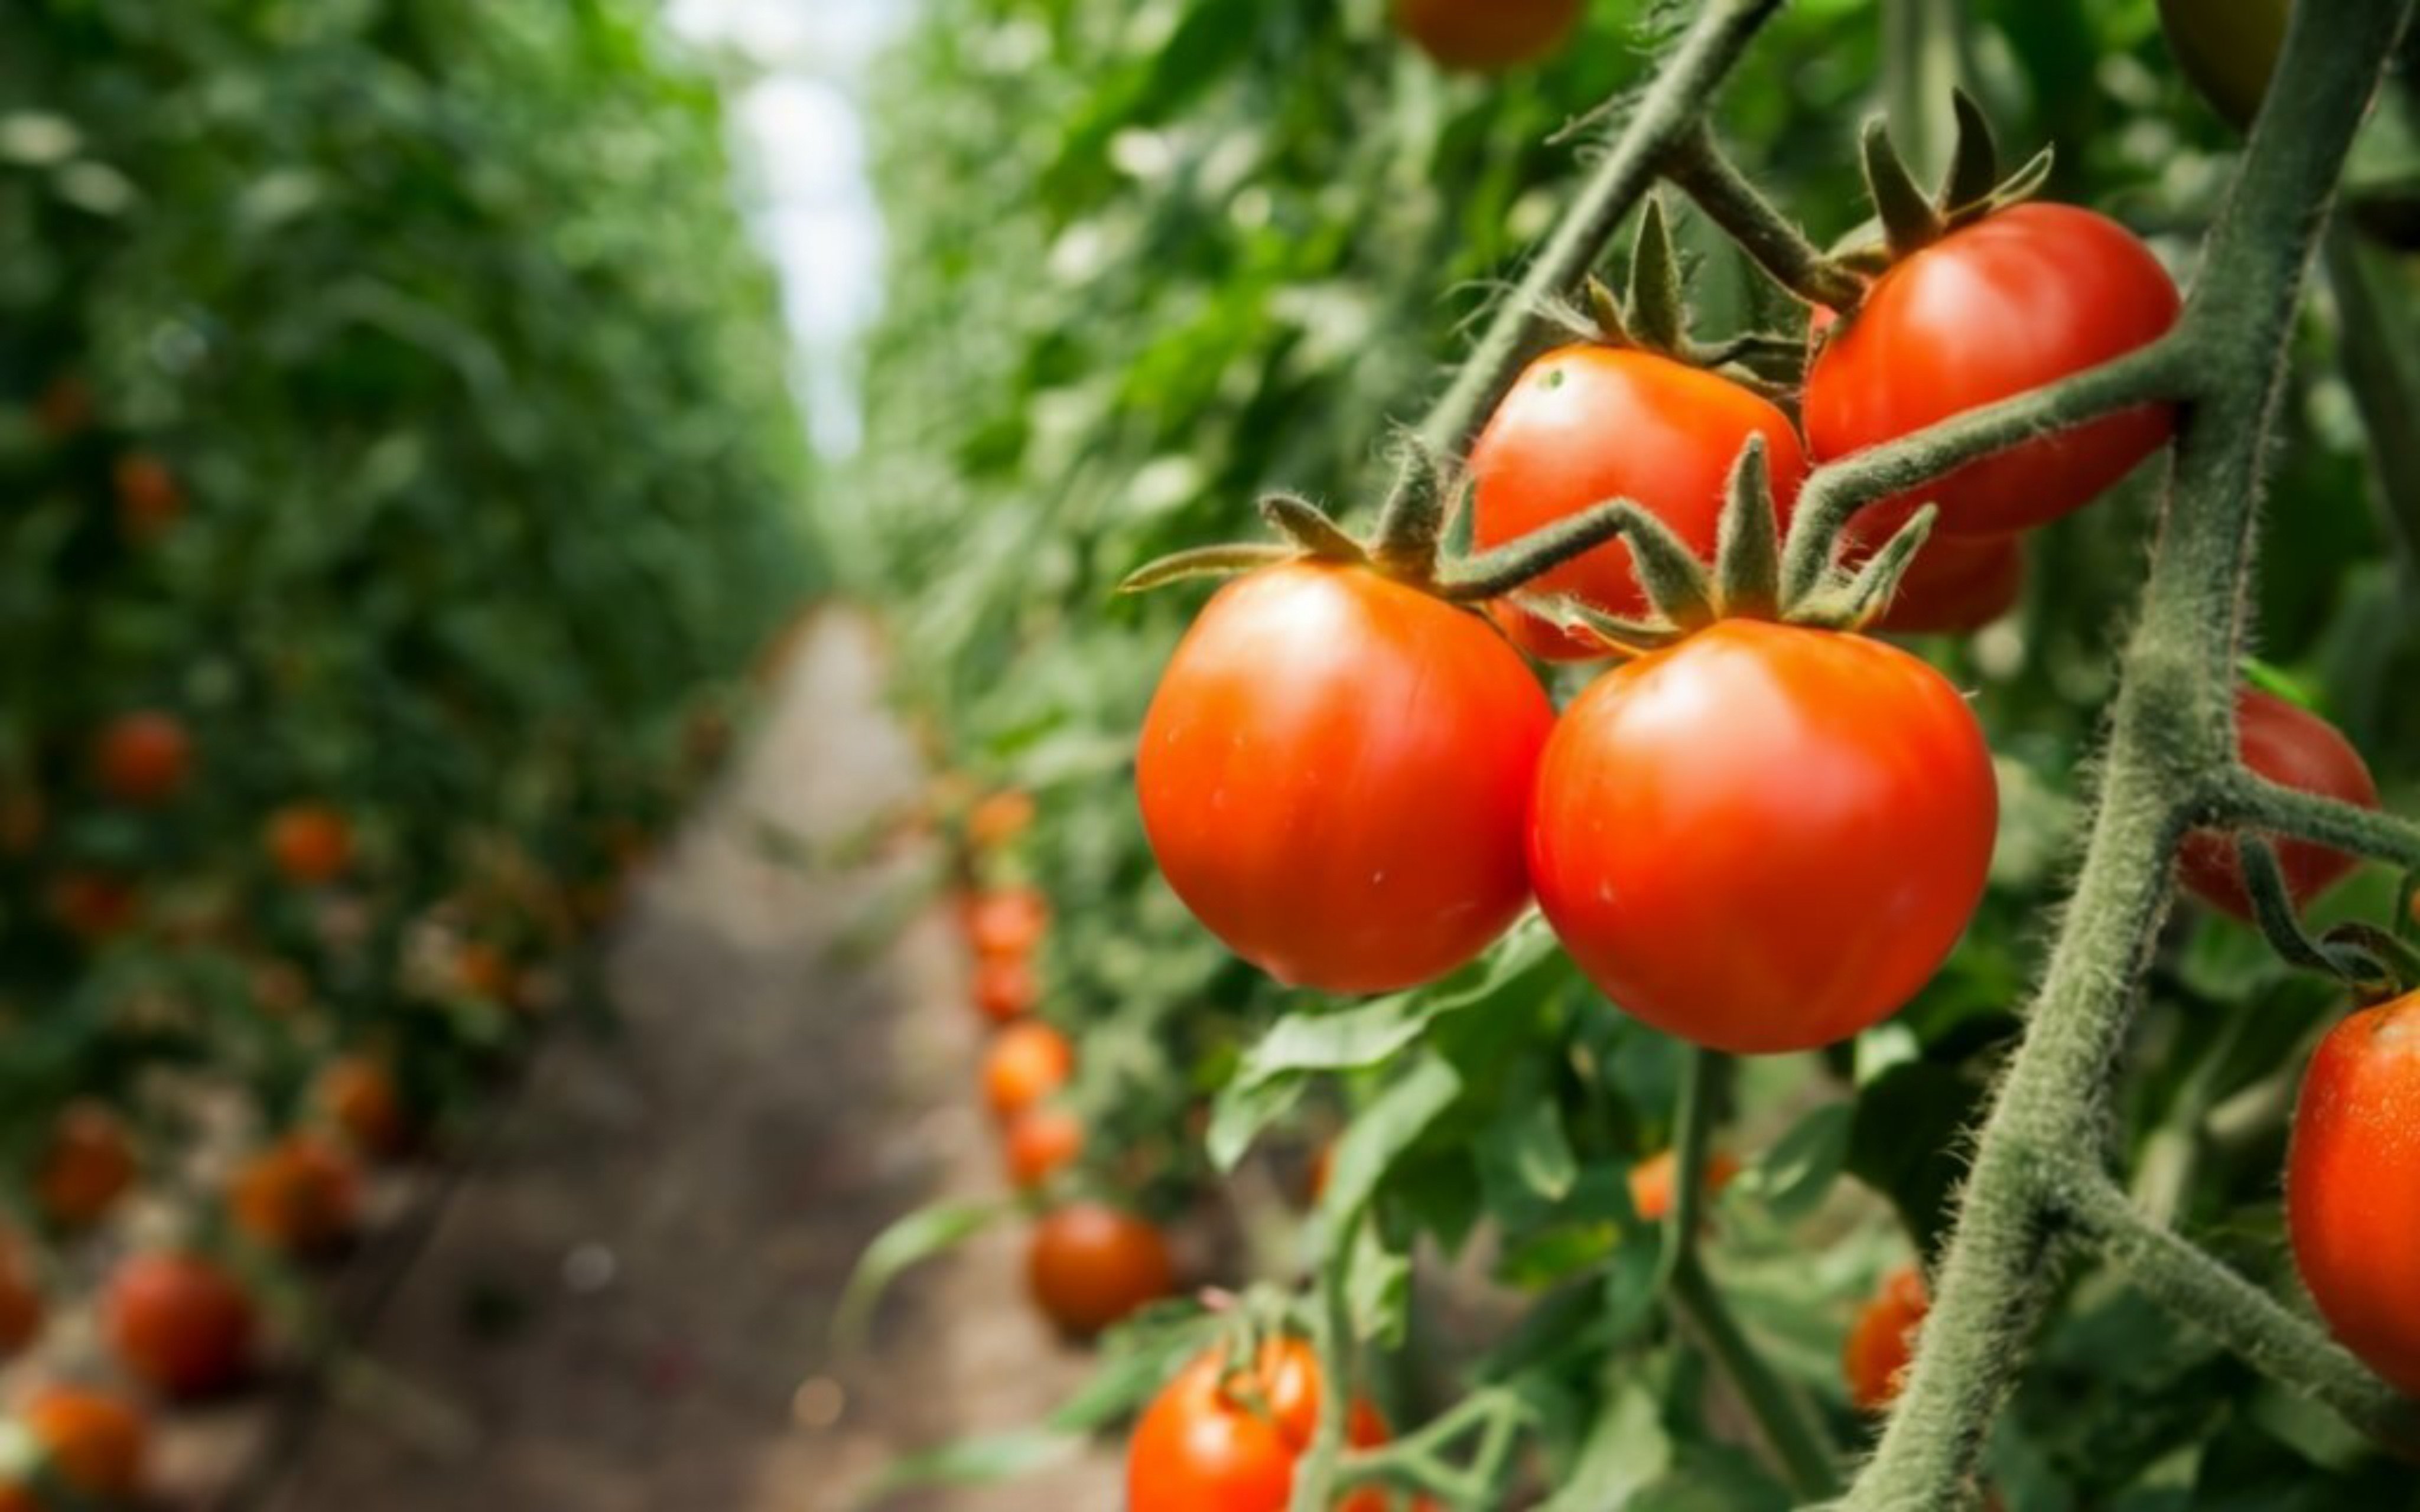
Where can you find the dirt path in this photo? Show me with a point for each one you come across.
(625, 1307)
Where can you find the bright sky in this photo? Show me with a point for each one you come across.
(803, 145)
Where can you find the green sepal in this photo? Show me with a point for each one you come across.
(1416, 514)
(1605, 308)
(1853, 602)
(2272, 910)
(1974, 174)
(1206, 562)
(1748, 540)
(1910, 222)
(1620, 636)
(1658, 313)
(1308, 527)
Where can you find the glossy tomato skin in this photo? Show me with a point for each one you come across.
(1765, 837)
(1651, 1180)
(1956, 586)
(1038, 1143)
(2352, 1187)
(1587, 424)
(2291, 746)
(1213, 1441)
(1025, 1063)
(1488, 36)
(1334, 773)
(1091, 1265)
(2019, 300)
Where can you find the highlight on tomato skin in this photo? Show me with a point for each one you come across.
(1225, 1438)
(1587, 422)
(1765, 837)
(2294, 748)
(2352, 1187)
(1335, 775)
(2017, 301)
(1090, 1265)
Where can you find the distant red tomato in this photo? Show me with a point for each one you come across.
(1587, 424)
(1091, 1266)
(1026, 1062)
(1651, 1180)
(179, 1323)
(21, 1296)
(150, 498)
(1488, 36)
(1882, 1341)
(1039, 1143)
(1334, 776)
(145, 758)
(301, 1196)
(2019, 300)
(309, 843)
(1005, 990)
(1007, 924)
(2291, 746)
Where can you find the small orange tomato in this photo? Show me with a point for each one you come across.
(21, 1297)
(150, 498)
(1488, 35)
(1226, 1439)
(301, 1197)
(143, 758)
(1005, 990)
(1089, 1266)
(1007, 924)
(179, 1323)
(2352, 1187)
(86, 1167)
(358, 1097)
(996, 821)
(1039, 1142)
(1883, 1341)
(1650, 1182)
(1025, 1063)
(92, 906)
(92, 1442)
(309, 843)
(483, 971)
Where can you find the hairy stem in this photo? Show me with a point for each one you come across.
(1699, 167)
(2172, 725)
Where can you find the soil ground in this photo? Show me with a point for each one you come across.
(624, 1308)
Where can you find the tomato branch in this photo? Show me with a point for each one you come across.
(1331, 1335)
(1699, 166)
(2253, 800)
(2172, 710)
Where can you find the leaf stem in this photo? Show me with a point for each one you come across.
(1700, 169)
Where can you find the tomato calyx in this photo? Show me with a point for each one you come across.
(1654, 316)
(2374, 964)
(1973, 188)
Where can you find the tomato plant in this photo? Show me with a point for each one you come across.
(2296, 747)
(1222, 1440)
(1355, 825)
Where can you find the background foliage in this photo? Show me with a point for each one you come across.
(1149, 261)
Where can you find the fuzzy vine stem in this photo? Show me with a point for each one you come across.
(2171, 726)
(1700, 168)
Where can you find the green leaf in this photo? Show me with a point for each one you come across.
(1526, 1144)
(983, 1461)
(1905, 1139)
(1383, 1132)
(1378, 1290)
(912, 1240)
(1626, 1450)
(1797, 1172)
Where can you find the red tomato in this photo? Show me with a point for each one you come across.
(1956, 585)
(1883, 1341)
(1005, 990)
(143, 758)
(2289, 745)
(1333, 775)
(1040, 1141)
(93, 906)
(309, 843)
(1007, 924)
(86, 1167)
(2021, 299)
(2352, 1187)
(92, 1442)
(358, 1097)
(149, 498)
(21, 1297)
(1025, 1063)
(1650, 1182)
(1587, 424)
(301, 1197)
(1089, 1266)
(1765, 837)
(1216, 1441)
(1486, 35)
(179, 1323)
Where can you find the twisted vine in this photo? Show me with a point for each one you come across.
(2168, 760)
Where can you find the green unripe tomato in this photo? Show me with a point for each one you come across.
(2228, 48)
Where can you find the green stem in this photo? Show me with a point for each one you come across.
(2199, 1290)
(1314, 1481)
(2171, 727)
(1682, 88)
(2250, 799)
(1782, 1415)
(1699, 166)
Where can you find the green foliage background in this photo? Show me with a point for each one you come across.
(1150, 260)
(443, 316)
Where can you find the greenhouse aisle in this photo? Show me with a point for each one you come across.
(626, 1306)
